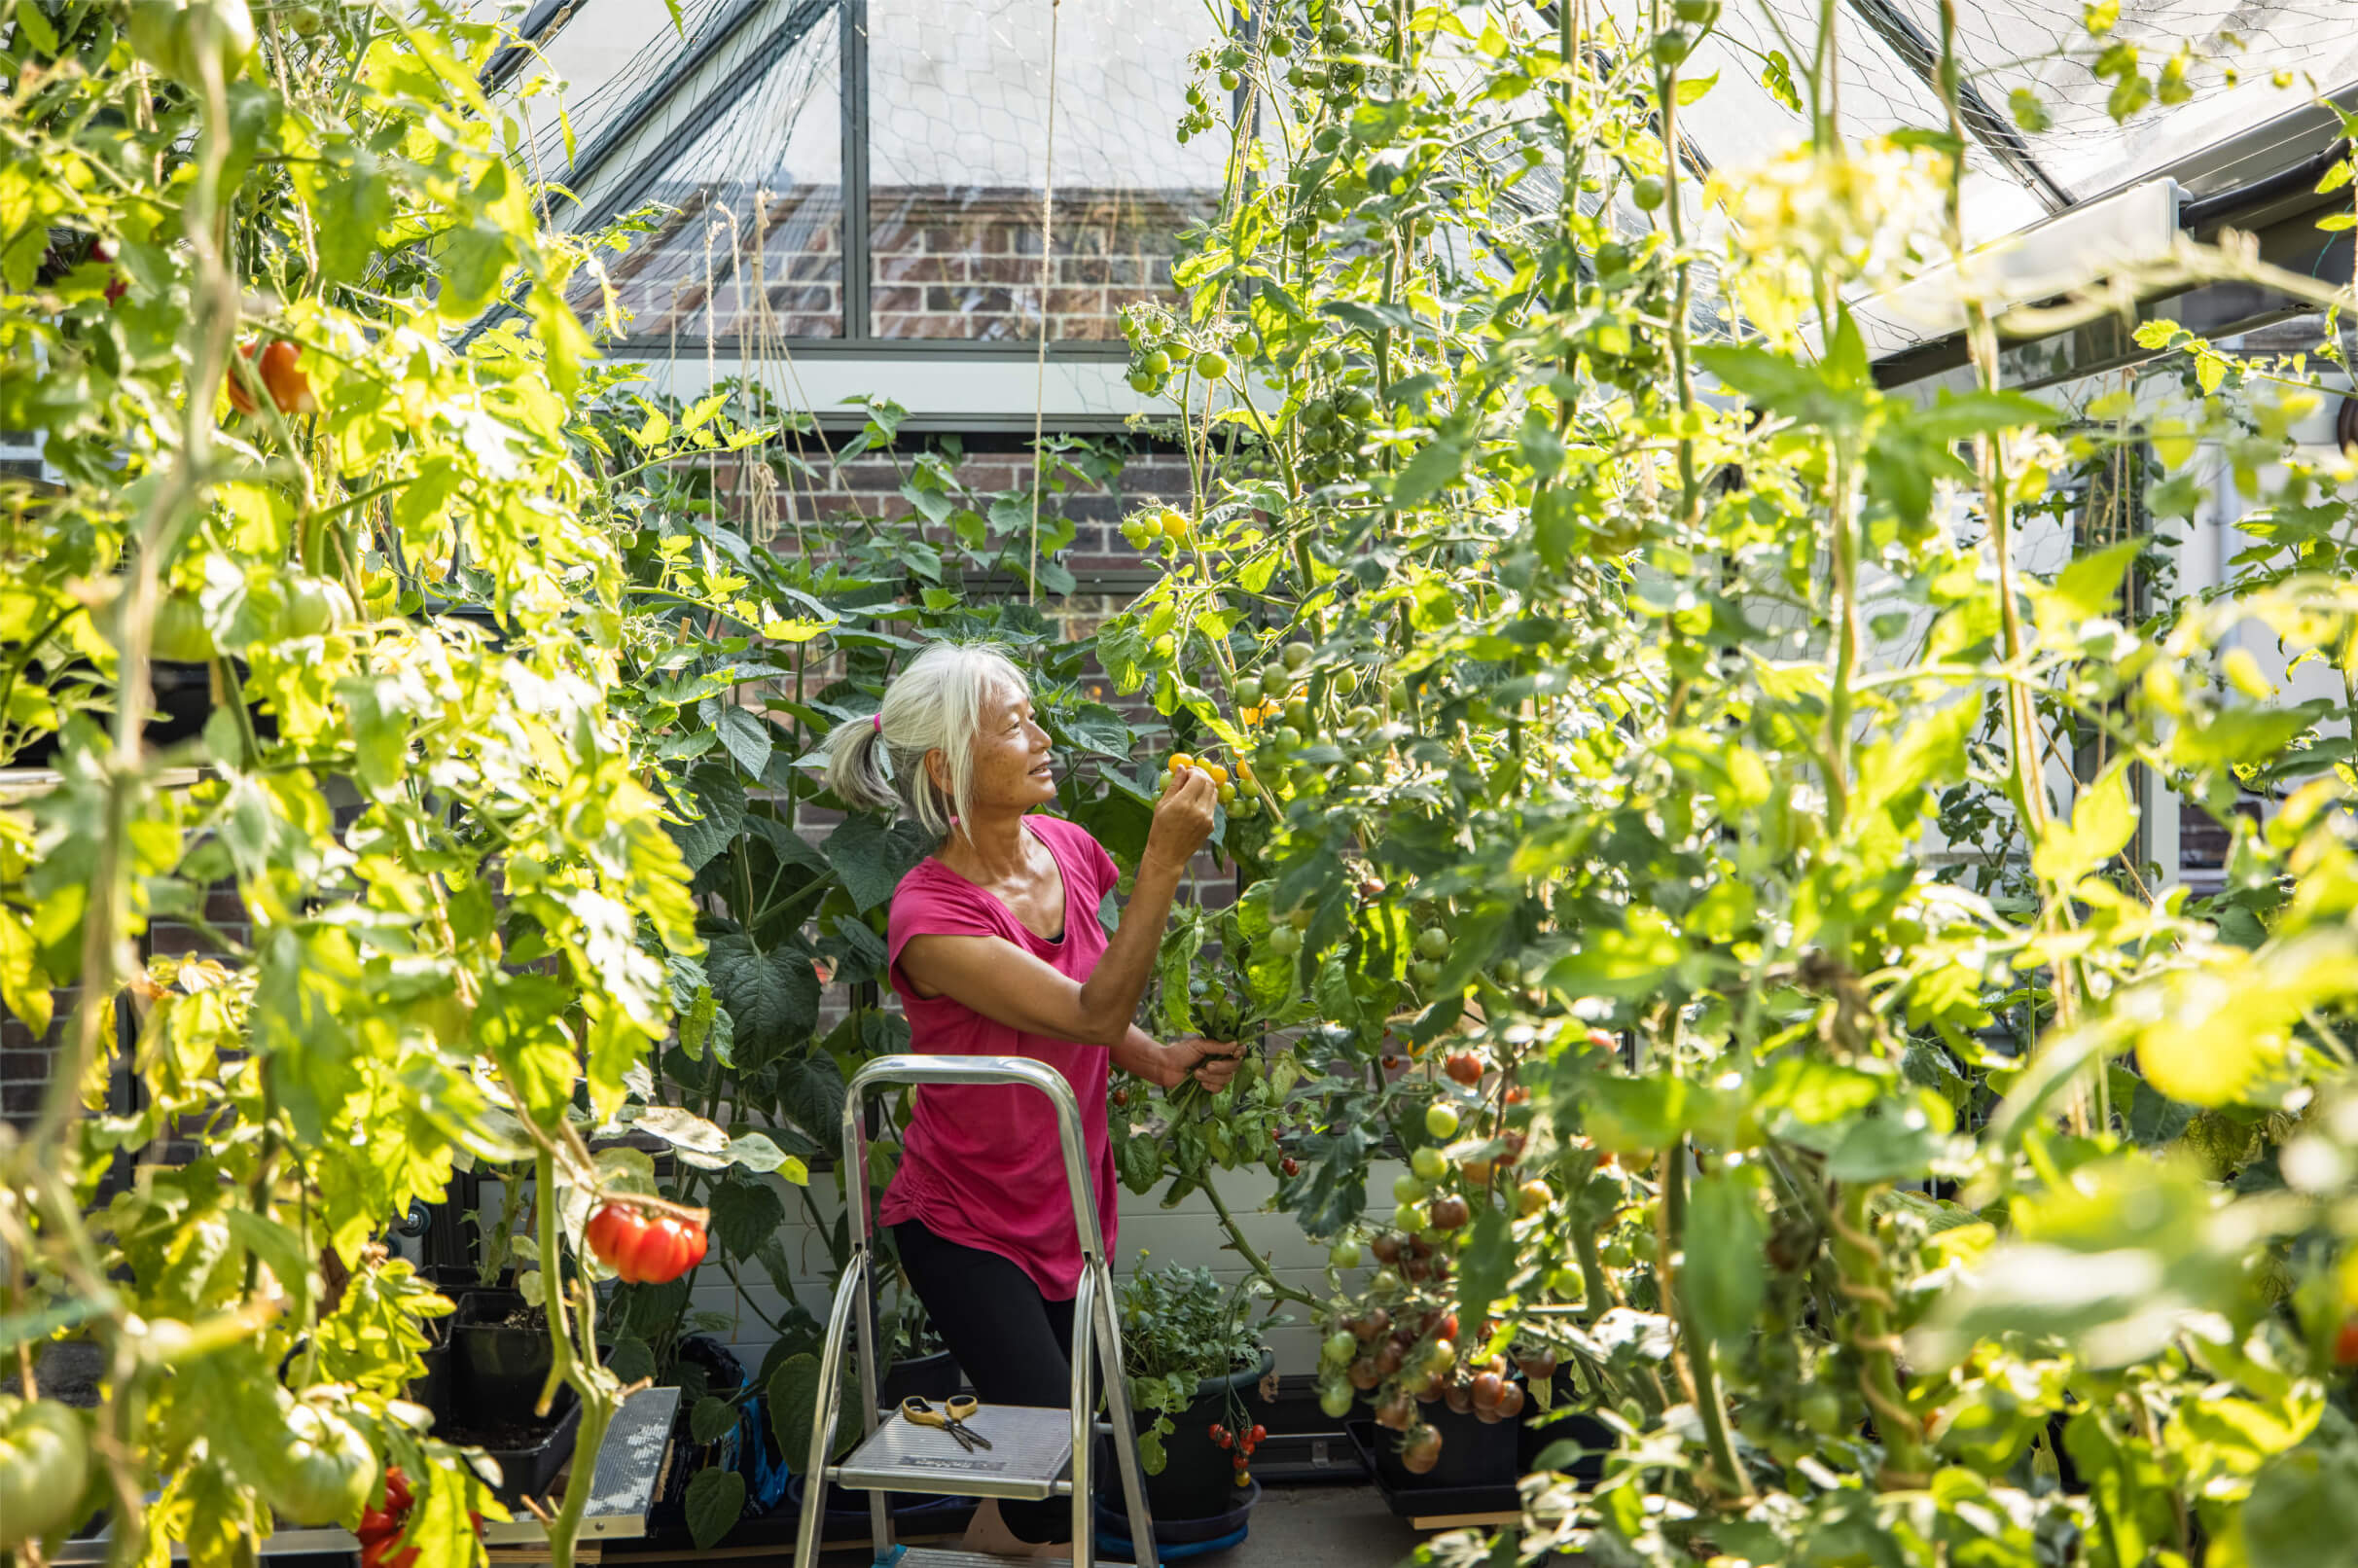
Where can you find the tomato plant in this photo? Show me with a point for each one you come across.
(418, 781)
(1695, 842)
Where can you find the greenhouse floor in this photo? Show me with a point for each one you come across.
(1309, 1527)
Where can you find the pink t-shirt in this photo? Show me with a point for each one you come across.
(980, 1166)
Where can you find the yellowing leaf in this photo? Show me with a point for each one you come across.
(2100, 827)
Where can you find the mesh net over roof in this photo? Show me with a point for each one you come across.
(958, 125)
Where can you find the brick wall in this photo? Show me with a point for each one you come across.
(944, 264)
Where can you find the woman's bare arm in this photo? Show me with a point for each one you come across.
(1005, 983)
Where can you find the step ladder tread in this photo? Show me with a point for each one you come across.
(1031, 1448)
(950, 1557)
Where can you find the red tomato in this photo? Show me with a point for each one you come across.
(397, 1491)
(375, 1524)
(379, 1554)
(2345, 1344)
(644, 1250)
(283, 373)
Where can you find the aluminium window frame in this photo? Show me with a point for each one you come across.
(858, 339)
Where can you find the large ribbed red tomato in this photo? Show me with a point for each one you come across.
(644, 1248)
(279, 364)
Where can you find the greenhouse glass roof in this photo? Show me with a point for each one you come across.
(737, 119)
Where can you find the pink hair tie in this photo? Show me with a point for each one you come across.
(878, 722)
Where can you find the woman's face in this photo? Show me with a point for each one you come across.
(1012, 770)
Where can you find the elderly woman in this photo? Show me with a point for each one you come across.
(996, 950)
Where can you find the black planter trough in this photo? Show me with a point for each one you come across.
(1476, 1473)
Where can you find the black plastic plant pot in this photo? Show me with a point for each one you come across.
(530, 1450)
(495, 1355)
(935, 1377)
(1199, 1476)
(433, 1390)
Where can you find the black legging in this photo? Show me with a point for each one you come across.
(1014, 1344)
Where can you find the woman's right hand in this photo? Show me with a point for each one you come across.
(1183, 819)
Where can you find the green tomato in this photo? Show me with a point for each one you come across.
(1340, 1347)
(1361, 774)
(1441, 1121)
(180, 635)
(313, 607)
(1425, 973)
(1212, 364)
(1248, 692)
(306, 20)
(1298, 657)
(1568, 1284)
(1671, 47)
(323, 1471)
(1821, 1411)
(1431, 942)
(1157, 363)
(1647, 191)
(173, 36)
(1285, 941)
(1695, 13)
(1334, 1399)
(45, 1459)
(1344, 1254)
(1384, 1283)
(1140, 381)
(1229, 80)
(1407, 1188)
(1362, 717)
(1286, 738)
(1428, 1163)
(1411, 1218)
(1346, 682)
(1281, 44)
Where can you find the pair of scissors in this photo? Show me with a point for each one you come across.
(951, 1418)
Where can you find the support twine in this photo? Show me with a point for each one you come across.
(1048, 273)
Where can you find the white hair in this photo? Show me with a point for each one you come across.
(935, 704)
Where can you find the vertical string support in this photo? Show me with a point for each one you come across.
(1048, 273)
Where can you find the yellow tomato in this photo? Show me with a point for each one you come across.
(1174, 526)
(1180, 760)
(1220, 774)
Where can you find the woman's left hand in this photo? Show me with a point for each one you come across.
(1213, 1062)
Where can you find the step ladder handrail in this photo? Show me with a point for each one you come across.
(1097, 1325)
(921, 1070)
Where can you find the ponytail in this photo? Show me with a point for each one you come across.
(859, 765)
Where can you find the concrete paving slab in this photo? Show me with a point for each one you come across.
(1316, 1526)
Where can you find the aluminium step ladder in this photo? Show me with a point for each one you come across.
(1035, 1453)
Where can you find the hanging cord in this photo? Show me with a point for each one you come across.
(1048, 273)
